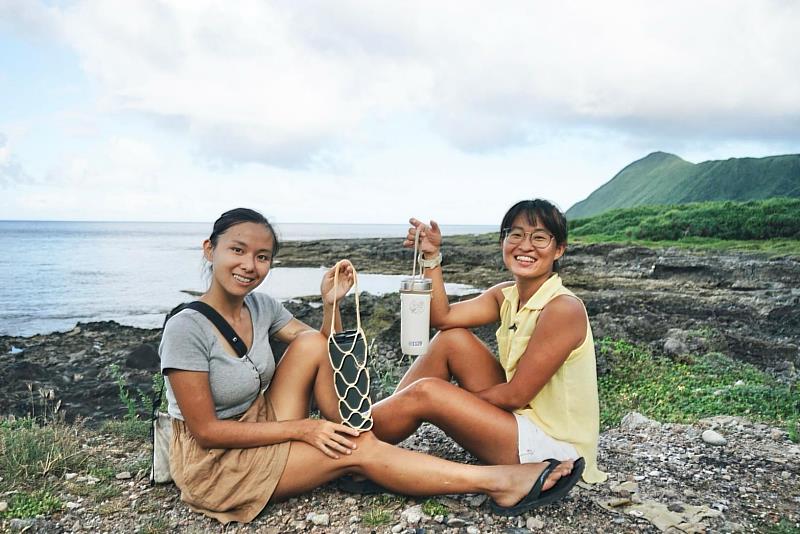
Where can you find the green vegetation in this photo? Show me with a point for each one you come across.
(669, 391)
(662, 178)
(432, 507)
(381, 508)
(132, 425)
(25, 505)
(773, 219)
(784, 526)
(767, 226)
(31, 450)
(156, 525)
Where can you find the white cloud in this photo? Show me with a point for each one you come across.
(280, 82)
(11, 171)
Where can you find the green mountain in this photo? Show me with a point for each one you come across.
(662, 178)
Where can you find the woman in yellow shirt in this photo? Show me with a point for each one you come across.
(536, 401)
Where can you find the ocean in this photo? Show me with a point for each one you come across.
(56, 274)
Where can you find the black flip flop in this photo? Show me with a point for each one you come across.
(536, 497)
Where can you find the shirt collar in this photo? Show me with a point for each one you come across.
(542, 296)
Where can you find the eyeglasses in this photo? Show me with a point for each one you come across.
(539, 239)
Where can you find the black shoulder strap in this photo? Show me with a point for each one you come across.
(222, 325)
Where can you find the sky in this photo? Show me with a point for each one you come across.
(372, 112)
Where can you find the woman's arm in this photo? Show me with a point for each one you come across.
(193, 394)
(478, 311)
(329, 293)
(560, 329)
(333, 289)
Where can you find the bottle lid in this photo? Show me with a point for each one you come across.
(416, 285)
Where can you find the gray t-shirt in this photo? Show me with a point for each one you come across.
(190, 343)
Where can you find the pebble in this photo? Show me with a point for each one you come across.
(456, 522)
(398, 528)
(413, 515)
(634, 420)
(713, 438)
(534, 523)
(124, 475)
(319, 519)
(70, 476)
(72, 505)
(3, 506)
(472, 529)
(350, 501)
(776, 434)
(439, 518)
(22, 524)
(786, 475)
(675, 507)
(477, 500)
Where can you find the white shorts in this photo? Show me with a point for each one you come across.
(534, 445)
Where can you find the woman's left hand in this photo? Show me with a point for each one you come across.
(331, 293)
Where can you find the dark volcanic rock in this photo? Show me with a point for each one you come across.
(144, 356)
(673, 301)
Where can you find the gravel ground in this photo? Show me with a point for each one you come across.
(663, 477)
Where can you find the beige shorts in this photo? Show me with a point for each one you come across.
(534, 445)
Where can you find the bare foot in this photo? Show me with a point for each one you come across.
(520, 480)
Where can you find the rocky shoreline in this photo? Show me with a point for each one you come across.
(674, 301)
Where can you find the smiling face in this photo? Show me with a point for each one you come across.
(241, 258)
(523, 259)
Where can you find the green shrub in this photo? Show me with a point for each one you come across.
(25, 505)
(670, 391)
(775, 218)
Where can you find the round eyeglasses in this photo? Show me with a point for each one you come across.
(539, 239)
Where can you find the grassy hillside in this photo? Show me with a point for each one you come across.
(662, 178)
(777, 218)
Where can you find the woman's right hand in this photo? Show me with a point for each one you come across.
(327, 436)
(430, 237)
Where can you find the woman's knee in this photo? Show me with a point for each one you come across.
(308, 343)
(453, 337)
(425, 392)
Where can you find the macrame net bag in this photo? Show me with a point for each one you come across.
(347, 352)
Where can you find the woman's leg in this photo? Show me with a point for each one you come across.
(456, 354)
(488, 432)
(304, 369)
(410, 472)
(425, 394)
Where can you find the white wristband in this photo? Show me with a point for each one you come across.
(430, 264)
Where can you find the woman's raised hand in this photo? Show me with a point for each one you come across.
(327, 436)
(346, 279)
(430, 237)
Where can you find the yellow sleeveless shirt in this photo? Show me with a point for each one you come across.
(567, 407)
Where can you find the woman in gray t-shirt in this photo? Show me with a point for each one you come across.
(235, 449)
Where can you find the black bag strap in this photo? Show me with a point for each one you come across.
(222, 325)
